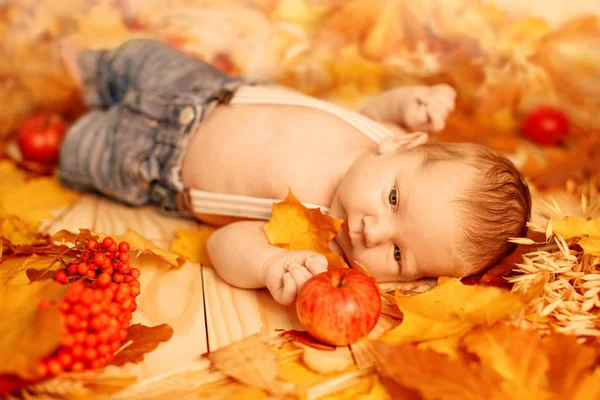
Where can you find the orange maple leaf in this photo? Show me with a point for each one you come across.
(27, 332)
(495, 362)
(296, 227)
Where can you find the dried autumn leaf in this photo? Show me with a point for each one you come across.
(515, 354)
(588, 387)
(448, 345)
(24, 199)
(66, 236)
(565, 350)
(571, 227)
(142, 340)
(295, 227)
(450, 308)
(574, 227)
(192, 244)
(19, 231)
(28, 332)
(435, 376)
(250, 361)
(141, 245)
(13, 269)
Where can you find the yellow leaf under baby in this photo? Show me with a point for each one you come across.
(450, 308)
(571, 227)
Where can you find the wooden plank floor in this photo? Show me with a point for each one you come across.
(204, 311)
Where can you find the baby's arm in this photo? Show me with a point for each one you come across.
(243, 257)
(414, 108)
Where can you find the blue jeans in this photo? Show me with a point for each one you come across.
(145, 100)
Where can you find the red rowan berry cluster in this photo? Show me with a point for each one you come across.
(97, 309)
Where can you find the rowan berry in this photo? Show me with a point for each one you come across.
(65, 358)
(112, 248)
(42, 369)
(118, 277)
(72, 268)
(64, 307)
(77, 351)
(134, 290)
(82, 268)
(54, 367)
(98, 259)
(77, 366)
(61, 276)
(91, 244)
(90, 354)
(91, 340)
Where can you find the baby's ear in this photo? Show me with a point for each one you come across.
(399, 142)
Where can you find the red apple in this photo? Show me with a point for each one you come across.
(40, 137)
(339, 306)
(545, 125)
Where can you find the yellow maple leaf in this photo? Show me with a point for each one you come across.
(446, 345)
(21, 196)
(19, 231)
(295, 227)
(27, 333)
(436, 376)
(523, 368)
(573, 227)
(450, 308)
(140, 245)
(13, 270)
(494, 362)
(192, 244)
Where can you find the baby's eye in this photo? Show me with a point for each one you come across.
(393, 197)
(397, 254)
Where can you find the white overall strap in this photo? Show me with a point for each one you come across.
(282, 96)
(235, 205)
(260, 208)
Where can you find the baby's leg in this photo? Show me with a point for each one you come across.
(114, 152)
(415, 108)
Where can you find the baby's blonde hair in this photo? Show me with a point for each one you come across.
(496, 207)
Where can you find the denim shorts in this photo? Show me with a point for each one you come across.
(145, 100)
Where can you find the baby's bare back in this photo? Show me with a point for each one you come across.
(264, 150)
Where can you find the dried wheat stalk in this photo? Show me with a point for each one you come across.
(570, 301)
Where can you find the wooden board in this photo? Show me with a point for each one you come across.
(172, 296)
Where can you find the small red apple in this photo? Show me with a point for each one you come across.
(40, 137)
(545, 125)
(339, 306)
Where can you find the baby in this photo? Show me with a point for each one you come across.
(166, 129)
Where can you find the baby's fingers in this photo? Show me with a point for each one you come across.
(316, 264)
(286, 295)
(300, 275)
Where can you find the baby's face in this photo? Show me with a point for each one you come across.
(401, 220)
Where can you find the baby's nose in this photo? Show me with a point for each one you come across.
(376, 231)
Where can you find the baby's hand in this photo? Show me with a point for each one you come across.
(285, 274)
(428, 108)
